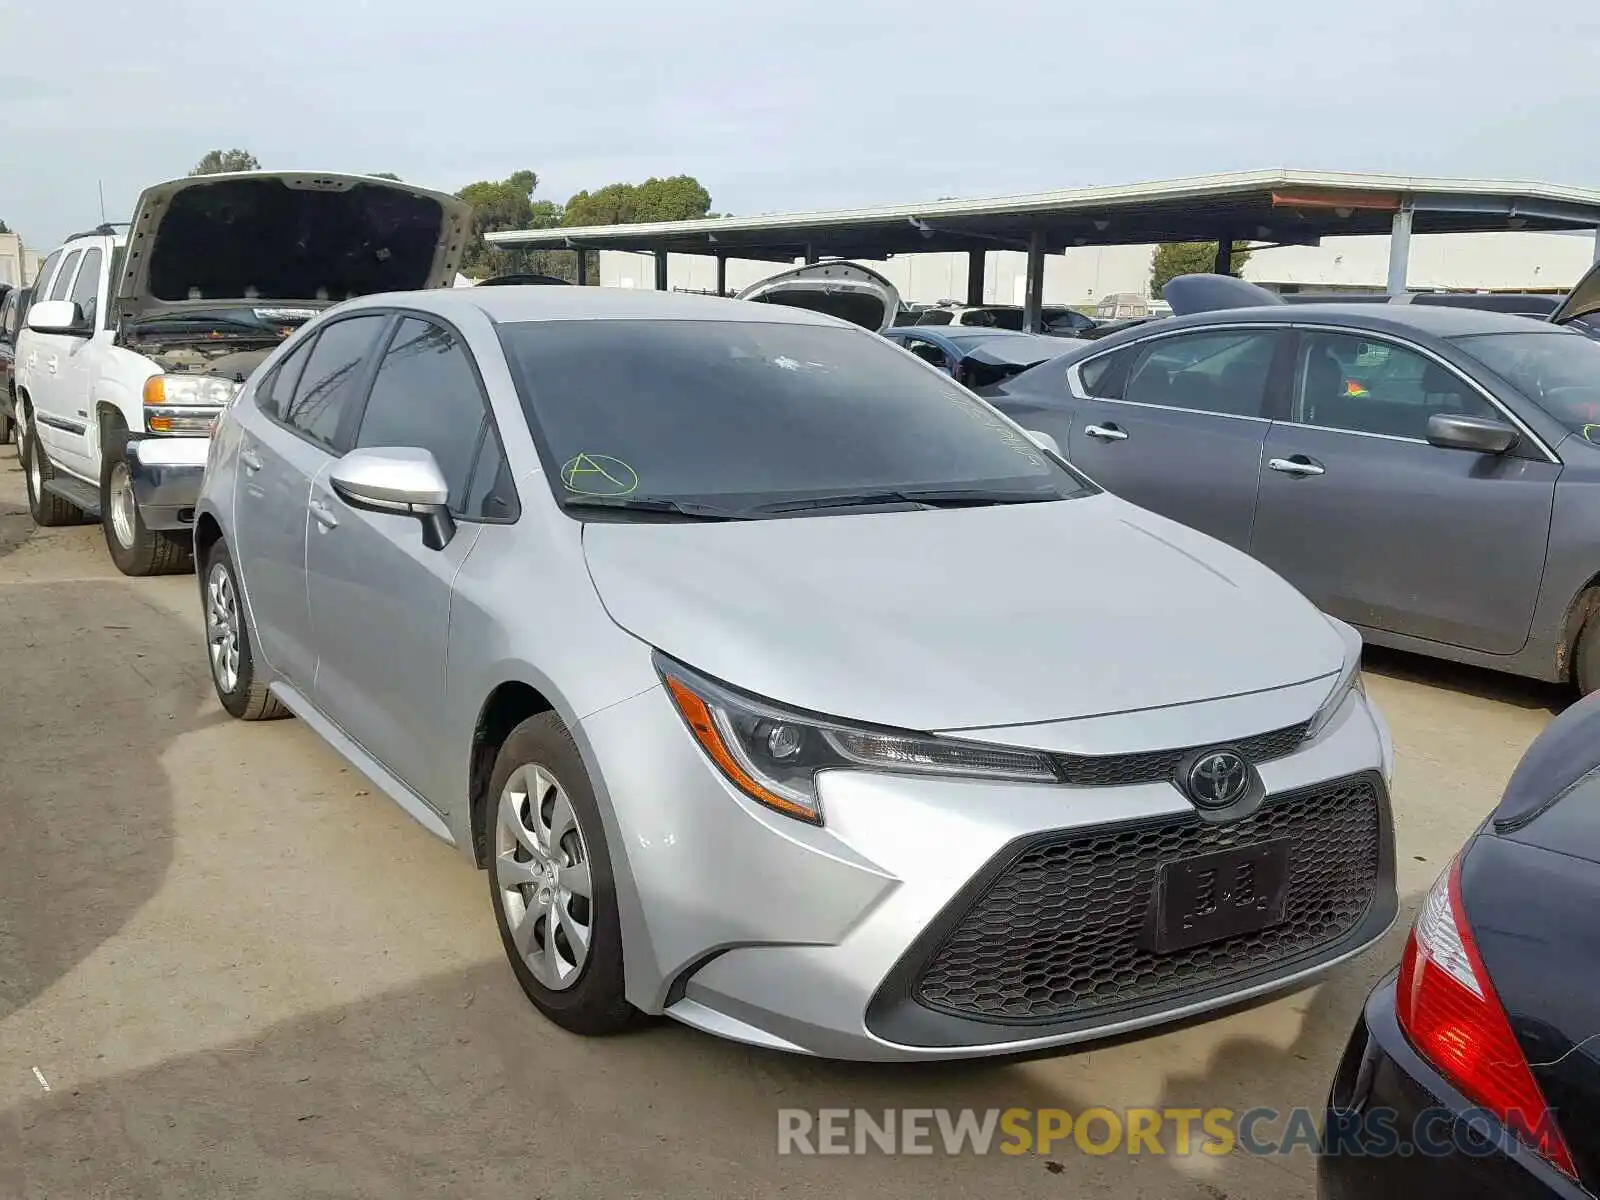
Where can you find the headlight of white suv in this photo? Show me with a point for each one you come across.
(773, 754)
(1349, 678)
(166, 392)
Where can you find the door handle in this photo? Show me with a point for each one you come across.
(1298, 465)
(324, 515)
(1106, 433)
(249, 461)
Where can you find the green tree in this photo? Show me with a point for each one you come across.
(4, 228)
(678, 198)
(216, 162)
(496, 204)
(1188, 258)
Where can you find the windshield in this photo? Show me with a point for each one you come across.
(1557, 370)
(749, 417)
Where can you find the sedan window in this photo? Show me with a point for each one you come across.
(328, 383)
(753, 417)
(1366, 385)
(1218, 372)
(1558, 370)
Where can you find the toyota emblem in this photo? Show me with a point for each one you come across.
(1218, 779)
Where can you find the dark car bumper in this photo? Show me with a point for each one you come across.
(166, 475)
(1396, 1128)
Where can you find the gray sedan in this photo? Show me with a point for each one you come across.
(738, 646)
(1428, 474)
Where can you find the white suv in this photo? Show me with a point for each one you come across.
(127, 357)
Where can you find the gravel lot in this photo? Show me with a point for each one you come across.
(242, 973)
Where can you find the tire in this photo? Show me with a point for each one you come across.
(1586, 658)
(8, 428)
(591, 999)
(136, 549)
(48, 510)
(233, 664)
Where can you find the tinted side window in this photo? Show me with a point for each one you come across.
(42, 280)
(926, 351)
(328, 384)
(1105, 375)
(492, 495)
(86, 292)
(272, 397)
(426, 394)
(1223, 372)
(58, 289)
(1346, 381)
(8, 316)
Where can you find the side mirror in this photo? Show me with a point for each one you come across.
(58, 316)
(402, 480)
(1044, 441)
(1481, 435)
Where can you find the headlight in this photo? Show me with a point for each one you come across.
(166, 396)
(1349, 678)
(773, 754)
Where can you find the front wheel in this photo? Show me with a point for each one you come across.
(551, 883)
(136, 549)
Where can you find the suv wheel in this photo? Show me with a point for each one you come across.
(47, 508)
(551, 883)
(233, 664)
(135, 549)
(8, 428)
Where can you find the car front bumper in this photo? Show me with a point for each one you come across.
(1396, 1128)
(166, 473)
(751, 925)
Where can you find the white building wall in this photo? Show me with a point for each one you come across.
(1463, 261)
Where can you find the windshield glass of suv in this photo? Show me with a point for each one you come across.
(1557, 370)
(744, 415)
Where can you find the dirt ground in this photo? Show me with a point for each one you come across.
(228, 968)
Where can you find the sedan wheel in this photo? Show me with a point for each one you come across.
(233, 667)
(550, 879)
(542, 863)
(222, 626)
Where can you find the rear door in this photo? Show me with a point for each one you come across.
(1380, 528)
(292, 435)
(1175, 424)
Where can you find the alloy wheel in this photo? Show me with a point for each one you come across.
(542, 870)
(124, 517)
(222, 627)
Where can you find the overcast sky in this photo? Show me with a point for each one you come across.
(786, 104)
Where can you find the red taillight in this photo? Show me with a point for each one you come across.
(1449, 1010)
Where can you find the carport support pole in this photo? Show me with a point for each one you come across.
(661, 270)
(1399, 250)
(722, 274)
(1033, 299)
(1597, 244)
(975, 264)
(583, 268)
(811, 255)
(1222, 264)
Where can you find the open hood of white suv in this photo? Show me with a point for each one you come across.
(845, 290)
(286, 238)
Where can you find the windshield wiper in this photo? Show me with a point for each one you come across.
(926, 497)
(686, 509)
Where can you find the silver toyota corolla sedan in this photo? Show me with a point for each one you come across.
(781, 685)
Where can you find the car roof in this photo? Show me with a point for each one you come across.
(524, 303)
(1402, 319)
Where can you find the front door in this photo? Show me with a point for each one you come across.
(59, 429)
(1177, 427)
(1380, 528)
(380, 599)
(289, 439)
(79, 367)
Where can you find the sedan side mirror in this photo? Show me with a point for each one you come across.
(1044, 441)
(401, 479)
(1481, 435)
(58, 316)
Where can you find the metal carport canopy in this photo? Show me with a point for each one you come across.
(1291, 207)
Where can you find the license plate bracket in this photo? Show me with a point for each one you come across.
(1219, 895)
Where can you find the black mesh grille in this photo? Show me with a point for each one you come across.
(1060, 933)
(1152, 766)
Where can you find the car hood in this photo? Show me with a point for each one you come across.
(1583, 300)
(845, 290)
(962, 618)
(285, 239)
